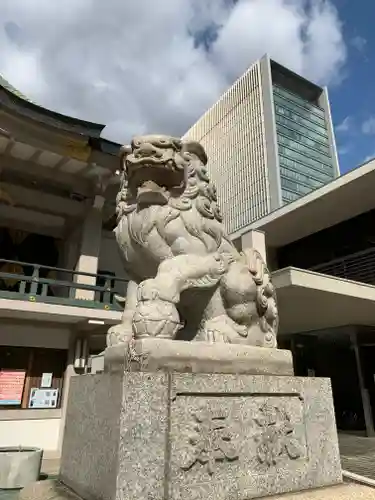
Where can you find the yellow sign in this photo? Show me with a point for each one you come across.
(78, 150)
(11, 268)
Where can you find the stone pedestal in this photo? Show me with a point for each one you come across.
(197, 357)
(173, 436)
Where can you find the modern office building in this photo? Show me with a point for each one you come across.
(321, 251)
(269, 140)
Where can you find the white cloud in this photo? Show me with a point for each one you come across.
(368, 126)
(137, 66)
(359, 43)
(344, 150)
(345, 125)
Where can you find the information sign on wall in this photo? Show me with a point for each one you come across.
(11, 386)
(46, 380)
(43, 398)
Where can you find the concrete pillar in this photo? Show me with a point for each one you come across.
(90, 248)
(367, 411)
(71, 249)
(255, 239)
(69, 372)
(324, 103)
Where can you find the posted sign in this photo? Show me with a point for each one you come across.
(11, 386)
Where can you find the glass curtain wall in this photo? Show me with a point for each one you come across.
(304, 154)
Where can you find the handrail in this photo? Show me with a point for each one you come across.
(339, 260)
(61, 269)
(47, 281)
(33, 287)
(359, 266)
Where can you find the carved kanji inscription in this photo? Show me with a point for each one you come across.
(276, 435)
(211, 441)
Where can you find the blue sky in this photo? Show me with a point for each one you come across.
(353, 100)
(138, 69)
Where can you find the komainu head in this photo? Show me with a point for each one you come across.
(164, 170)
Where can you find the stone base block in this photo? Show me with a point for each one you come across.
(52, 490)
(174, 436)
(152, 354)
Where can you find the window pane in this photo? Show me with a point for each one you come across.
(294, 117)
(298, 127)
(290, 153)
(301, 177)
(290, 96)
(288, 196)
(303, 138)
(306, 169)
(305, 150)
(300, 110)
(295, 187)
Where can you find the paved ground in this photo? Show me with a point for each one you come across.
(358, 454)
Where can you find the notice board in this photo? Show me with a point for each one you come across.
(11, 386)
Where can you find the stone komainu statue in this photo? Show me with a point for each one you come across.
(187, 280)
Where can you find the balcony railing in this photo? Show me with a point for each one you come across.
(359, 266)
(35, 283)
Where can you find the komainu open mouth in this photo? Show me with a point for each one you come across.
(152, 184)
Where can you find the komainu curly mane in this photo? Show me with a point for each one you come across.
(187, 278)
(195, 203)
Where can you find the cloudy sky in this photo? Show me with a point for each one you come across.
(155, 66)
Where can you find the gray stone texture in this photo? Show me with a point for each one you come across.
(188, 281)
(90, 448)
(198, 436)
(153, 354)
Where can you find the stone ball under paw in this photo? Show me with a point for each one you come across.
(156, 318)
(118, 334)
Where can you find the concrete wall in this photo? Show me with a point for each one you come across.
(41, 432)
(37, 335)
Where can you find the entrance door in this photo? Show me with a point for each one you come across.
(333, 357)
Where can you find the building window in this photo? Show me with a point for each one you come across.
(305, 150)
(299, 167)
(303, 139)
(307, 180)
(300, 110)
(31, 378)
(298, 127)
(290, 96)
(297, 187)
(295, 155)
